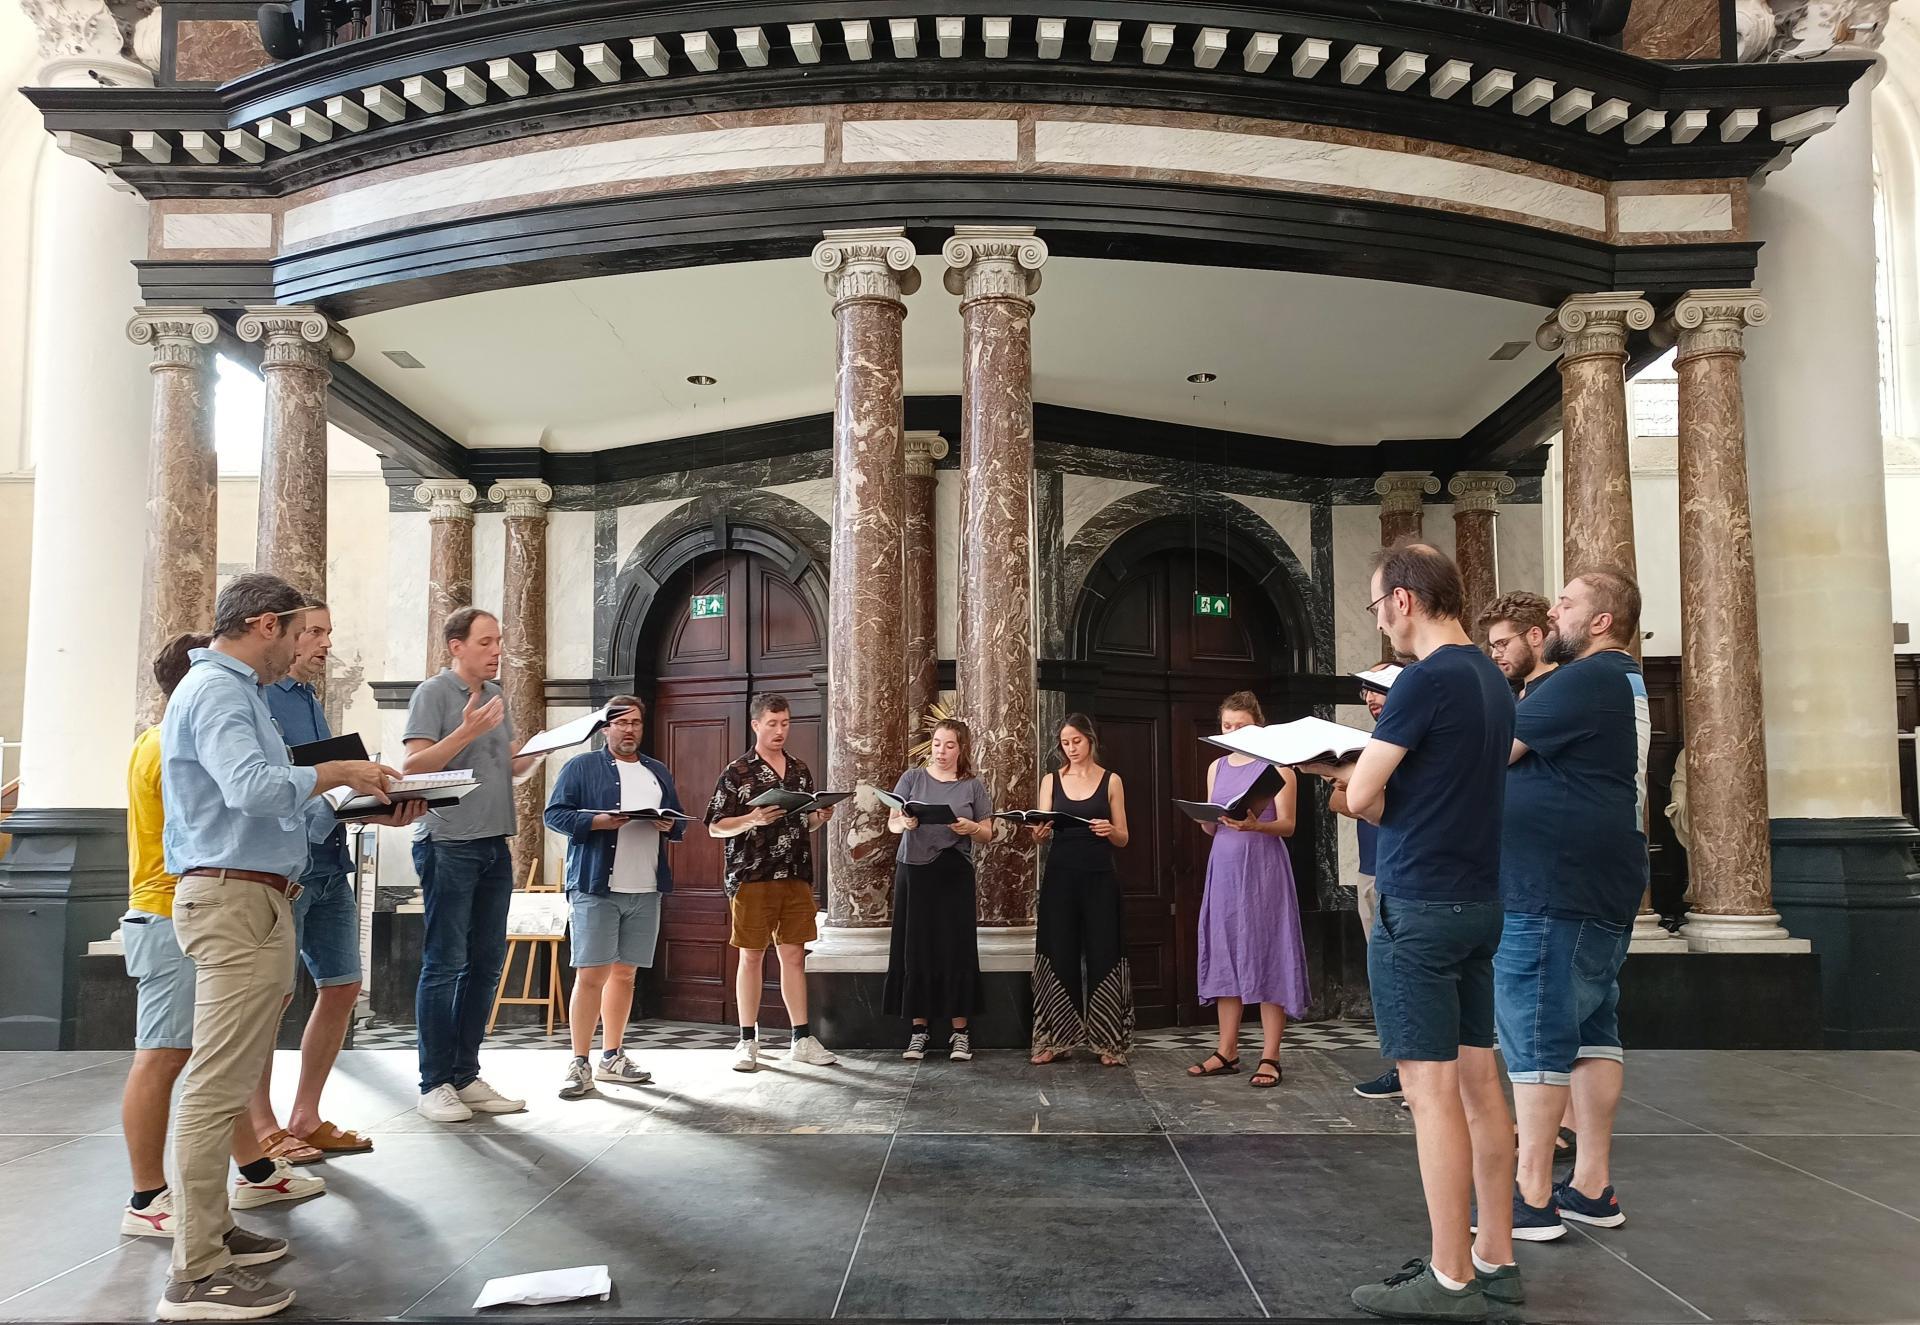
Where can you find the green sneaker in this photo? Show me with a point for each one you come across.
(1414, 1294)
(1502, 1286)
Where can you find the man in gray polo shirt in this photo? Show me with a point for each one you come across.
(458, 719)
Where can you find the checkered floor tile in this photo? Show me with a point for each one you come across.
(686, 1035)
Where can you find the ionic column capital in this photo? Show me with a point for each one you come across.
(993, 261)
(447, 499)
(1405, 489)
(923, 448)
(179, 336)
(1594, 324)
(869, 264)
(295, 335)
(1703, 322)
(522, 498)
(1478, 490)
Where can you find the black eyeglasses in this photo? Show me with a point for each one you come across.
(1376, 602)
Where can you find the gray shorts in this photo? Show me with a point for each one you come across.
(164, 1019)
(609, 928)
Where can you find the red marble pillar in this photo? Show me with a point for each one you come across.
(297, 357)
(1403, 494)
(995, 270)
(1731, 855)
(449, 504)
(868, 273)
(922, 583)
(523, 648)
(181, 571)
(1476, 497)
(1591, 332)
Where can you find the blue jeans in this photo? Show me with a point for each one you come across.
(1556, 984)
(1431, 968)
(467, 886)
(326, 929)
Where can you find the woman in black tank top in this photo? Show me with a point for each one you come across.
(1082, 989)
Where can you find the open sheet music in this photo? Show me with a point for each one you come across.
(436, 789)
(570, 733)
(1252, 800)
(1302, 741)
(799, 802)
(926, 812)
(1380, 679)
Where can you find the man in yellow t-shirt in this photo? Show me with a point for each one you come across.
(163, 1034)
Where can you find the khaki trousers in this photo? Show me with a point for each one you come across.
(1367, 903)
(240, 937)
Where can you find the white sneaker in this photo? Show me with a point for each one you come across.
(156, 1221)
(442, 1105)
(482, 1098)
(808, 1049)
(746, 1056)
(286, 1184)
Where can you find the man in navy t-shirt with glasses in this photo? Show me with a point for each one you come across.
(1573, 866)
(1434, 779)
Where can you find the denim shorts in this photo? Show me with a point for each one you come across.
(326, 926)
(1431, 968)
(609, 928)
(164, 1019)
(1557, 987)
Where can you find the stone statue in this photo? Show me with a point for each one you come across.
(1806, 29)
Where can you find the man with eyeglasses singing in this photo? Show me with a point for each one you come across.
(238, 821)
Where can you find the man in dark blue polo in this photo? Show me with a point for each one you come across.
(616, 874)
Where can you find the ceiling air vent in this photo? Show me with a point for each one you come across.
(1513, 349)
(402, 359)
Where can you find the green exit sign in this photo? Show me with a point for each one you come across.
(1212, 604)
(707, 605)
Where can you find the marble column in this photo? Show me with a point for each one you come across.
(1476, 496)
(869, 273)
(1590, 331)
(523, 647)
(182, 563)
(449, 504)
(299, 348)
(1403, 494)
(923, 580)
(1731, 860)
(995, 270)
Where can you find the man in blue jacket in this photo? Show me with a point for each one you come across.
(616, 872)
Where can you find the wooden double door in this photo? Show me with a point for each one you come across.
(1163, 672)
(701, 675)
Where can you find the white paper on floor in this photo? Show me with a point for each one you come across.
(544, 1286)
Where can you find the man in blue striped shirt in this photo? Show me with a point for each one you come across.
(238, 821)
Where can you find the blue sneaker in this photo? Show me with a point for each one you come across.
(1386, 1086)
(1602, 1211)
(1533, 1223)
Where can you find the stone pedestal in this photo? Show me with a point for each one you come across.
(1732, 865)
(847, 974)
(63, 884)
(1591, 332)
(523, 648)
(181, 571)
(1475, 499)
(995, 270)
(449, 504)
(300, 347)
(922, 561)
(868, 273)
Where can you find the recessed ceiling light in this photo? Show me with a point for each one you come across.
(1201, 378)
(701, 379)
(1513, 349)
(402, 359)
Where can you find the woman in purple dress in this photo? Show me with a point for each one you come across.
(1250, 946)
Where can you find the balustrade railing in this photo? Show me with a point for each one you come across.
(337, 22)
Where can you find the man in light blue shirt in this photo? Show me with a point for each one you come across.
(238, 821)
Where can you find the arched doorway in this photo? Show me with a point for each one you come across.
(698, 676)
(1160, 671)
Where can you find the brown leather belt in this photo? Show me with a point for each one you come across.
(280, 883)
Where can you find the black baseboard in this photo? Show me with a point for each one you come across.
(1720, 1000)
(844, 1007)
(1850, 886)
(63, 885)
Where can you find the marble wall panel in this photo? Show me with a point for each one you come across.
(1656, 545)
(1356, 537)
(489, 561)
(1083, 497)
(409, 538)
(946, 543)
(1520, 540)
(816, 494)
(1292, 520)
(929, 140)
(215, 50)
(1674, 212)
(570, 593)
(1674, 30)
(634, 523)
(217, 230)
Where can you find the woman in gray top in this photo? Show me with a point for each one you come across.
(933, 970)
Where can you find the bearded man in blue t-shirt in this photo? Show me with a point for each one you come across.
(1573, 866)
(1434, 778)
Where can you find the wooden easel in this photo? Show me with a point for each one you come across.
(554, 1000)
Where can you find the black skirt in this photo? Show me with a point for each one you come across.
(933, 970)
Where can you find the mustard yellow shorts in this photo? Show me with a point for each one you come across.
(773, 911)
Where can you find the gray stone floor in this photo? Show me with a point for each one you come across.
(1759, 1187)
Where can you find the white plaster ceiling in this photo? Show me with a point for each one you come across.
(587, 364)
